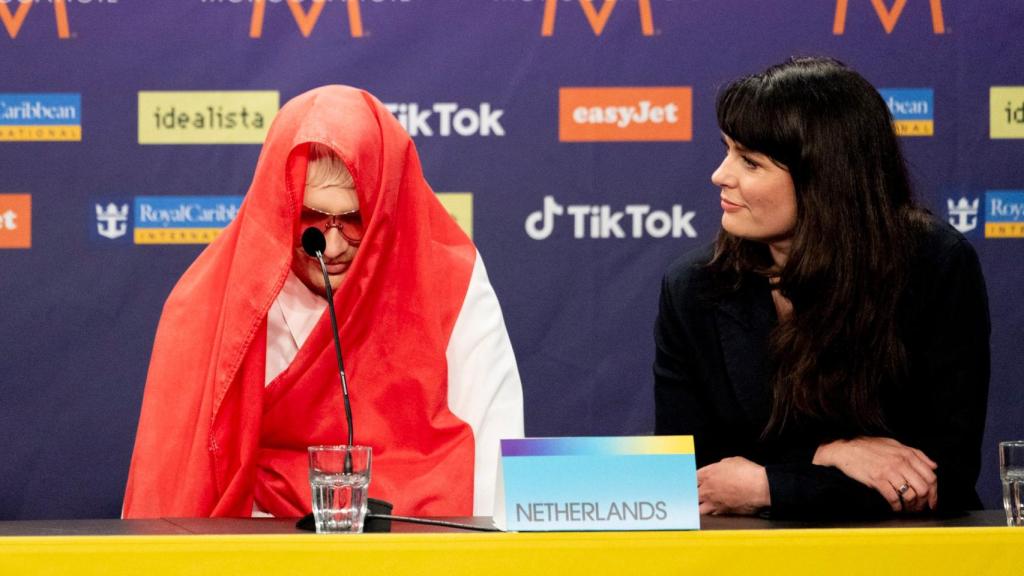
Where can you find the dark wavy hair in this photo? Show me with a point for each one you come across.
(847, 269)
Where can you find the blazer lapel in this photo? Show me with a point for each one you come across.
(745, 320)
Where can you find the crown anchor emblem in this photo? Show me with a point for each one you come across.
(112, 220)
(963, 214)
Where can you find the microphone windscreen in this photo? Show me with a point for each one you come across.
(313, 241)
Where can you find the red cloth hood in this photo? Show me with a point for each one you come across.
(199, 436)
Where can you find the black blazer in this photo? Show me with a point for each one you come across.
(711, 377)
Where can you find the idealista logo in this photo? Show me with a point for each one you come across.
(602, 221)
(1006, 111)
(446, 118)
(597, 18)
(963, 214)
(228, 117)
(15, 220)
(887, 16)
(1004, 214)
(183, 219)
(51, 117)
(625, 114)
(913, 110)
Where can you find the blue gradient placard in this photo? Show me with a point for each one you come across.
(598, 483)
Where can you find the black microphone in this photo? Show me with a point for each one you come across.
(314, 243)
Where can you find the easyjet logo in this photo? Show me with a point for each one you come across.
(597, 18)
(888, 16)
(15, 220)
(625, 114)
(305, 19)
(13, 20)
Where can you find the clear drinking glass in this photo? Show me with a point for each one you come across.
(339, 477)
(1011, 472)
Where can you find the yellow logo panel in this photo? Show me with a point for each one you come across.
(1004, 230)
(460, 206)
(176, 235)
(914, 127)
(1006, 111)
(237, 117)
(41, 133)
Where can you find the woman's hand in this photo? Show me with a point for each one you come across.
(904, 476)
(732, 486)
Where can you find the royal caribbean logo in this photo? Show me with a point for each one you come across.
(962, 214)
(183, 219)
(448, 119)
(1004, 214)
(15, 220)
(625, 114)
(597, 18)
(112, 219)
(887, 16)
(913, 110)
(49, 117)
(1006, 111)
(603, 221)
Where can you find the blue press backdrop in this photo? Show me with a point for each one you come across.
(79, 310)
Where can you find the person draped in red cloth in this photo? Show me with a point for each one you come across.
(243, 375)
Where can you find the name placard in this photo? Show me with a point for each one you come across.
(597, 483)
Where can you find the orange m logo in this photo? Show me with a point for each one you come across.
(889, 17)
(14, 21)
(305, 20)
(597, 19)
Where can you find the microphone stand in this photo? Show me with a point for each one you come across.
(378, 517)
(341, 362)
(314, 243)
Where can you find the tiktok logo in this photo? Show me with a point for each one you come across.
(601, 221)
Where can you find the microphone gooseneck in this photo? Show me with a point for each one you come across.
(314, 243)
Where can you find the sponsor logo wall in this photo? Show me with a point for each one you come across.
(183, 219)
(13, 20)
(913, 110)
(625, 114)
(1004, 214)
(573, 140)
(963, 214)
(15, 220)
(1006, 112)
(446, 119)
(888, 16)
(40, 117)
(206, 117)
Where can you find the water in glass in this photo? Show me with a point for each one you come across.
(339, 501)
(1013, 486)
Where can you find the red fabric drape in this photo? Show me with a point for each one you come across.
(211, 438)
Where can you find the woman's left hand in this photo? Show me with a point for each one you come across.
(903, 475)
(733, 485)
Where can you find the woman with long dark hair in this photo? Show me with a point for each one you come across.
(829, 352)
